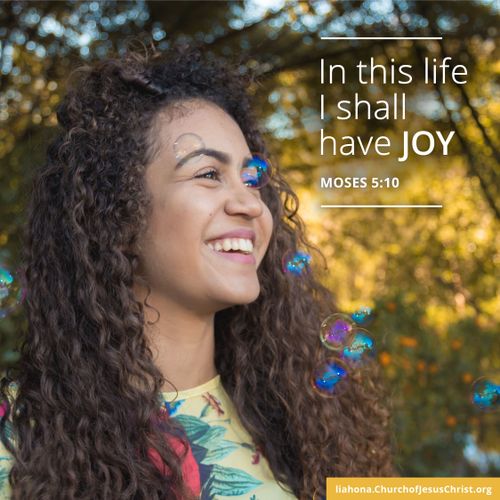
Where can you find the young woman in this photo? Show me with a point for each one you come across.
(168, 355)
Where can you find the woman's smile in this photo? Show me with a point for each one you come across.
(234, 255)
(236, 245)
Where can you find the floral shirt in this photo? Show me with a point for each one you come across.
(223, 463)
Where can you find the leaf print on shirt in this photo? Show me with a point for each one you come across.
(207, 441)
(227, 481)
(3, 476)
(209, 447)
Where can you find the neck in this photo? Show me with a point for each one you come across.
(182, 342)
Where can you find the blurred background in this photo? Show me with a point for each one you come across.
(429, 276)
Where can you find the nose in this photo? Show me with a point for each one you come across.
(243, 200)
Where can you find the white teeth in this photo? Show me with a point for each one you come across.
(235, 244)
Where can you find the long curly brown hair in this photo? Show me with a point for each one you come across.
(88, 390)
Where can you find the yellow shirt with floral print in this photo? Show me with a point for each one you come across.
(227, 464)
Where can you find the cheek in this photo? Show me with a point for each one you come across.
(162, 225)
(267, 225)
(180, 220)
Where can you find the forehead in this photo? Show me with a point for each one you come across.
(213, 125)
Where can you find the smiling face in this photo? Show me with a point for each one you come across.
(208, 230)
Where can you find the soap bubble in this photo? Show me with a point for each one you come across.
(486, 394)
(186, 144)
(296, 262)
(256, 171)
(363, 316)
(361, 347)
(12, 292)
(336, 331)
(328, 377)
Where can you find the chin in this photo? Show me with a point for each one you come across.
(239, 298)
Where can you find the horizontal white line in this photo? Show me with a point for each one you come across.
(381, 206)
(381, 38)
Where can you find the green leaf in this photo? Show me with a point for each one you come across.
(216, 454)
(195, 428)
(205, 410)
(212, 437)
(228, 481)
(4, 474)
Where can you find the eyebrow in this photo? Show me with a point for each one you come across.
(214, 153)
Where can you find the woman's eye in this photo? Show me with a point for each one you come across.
(211, 174)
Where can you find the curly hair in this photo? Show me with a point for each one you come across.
(86, 410)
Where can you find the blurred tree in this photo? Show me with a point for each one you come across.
(431, 275)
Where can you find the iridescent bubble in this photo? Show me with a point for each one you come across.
(336, 331)
(256, 171)
(327, 377)
(361, 347)
(296, 262)
(12, 293)
(486, 394)
(363, 316)
(187, 144)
